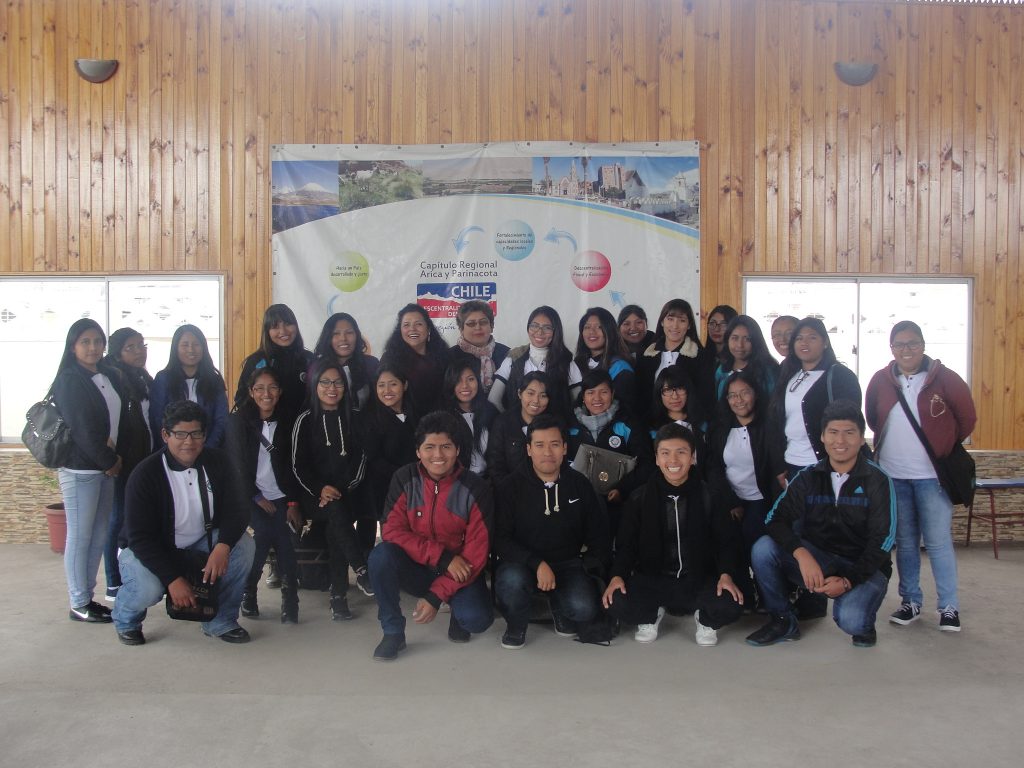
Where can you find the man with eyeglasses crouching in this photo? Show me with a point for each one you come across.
(166, 516)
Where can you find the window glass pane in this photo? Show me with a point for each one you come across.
(34, 319)
(35, 315)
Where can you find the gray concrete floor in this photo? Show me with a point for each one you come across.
(310, 694)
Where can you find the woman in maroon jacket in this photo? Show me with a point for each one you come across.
(940, 402)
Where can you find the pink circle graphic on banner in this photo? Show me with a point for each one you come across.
(591, 271)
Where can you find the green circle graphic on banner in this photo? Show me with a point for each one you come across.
(350, 271)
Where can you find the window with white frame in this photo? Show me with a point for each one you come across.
(36, 312)
(859, 312)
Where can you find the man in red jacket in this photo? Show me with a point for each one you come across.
(436, 538)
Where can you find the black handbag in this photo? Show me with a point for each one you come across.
(603, 468)
(46, 434)
(194, 561)
(956, 472)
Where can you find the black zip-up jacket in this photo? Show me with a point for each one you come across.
(244, 444)
(325, 453)
(506, 445)
(149, 510)
(85, 412)
(389, 443)
(710, 538)
(764, 470)
(536, 524)
(859, 524)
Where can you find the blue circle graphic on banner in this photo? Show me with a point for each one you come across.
(514, 240)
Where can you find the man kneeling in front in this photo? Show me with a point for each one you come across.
(435, 540)
(165, 515)
(847, 508)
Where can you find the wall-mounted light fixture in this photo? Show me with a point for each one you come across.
(855, 72)
(96, 70)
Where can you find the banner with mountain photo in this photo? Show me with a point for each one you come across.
(368, 229)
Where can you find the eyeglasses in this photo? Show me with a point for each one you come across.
(672, 390)
(134, 347)
(741, 394)
(331, 383)
(913, 346)
(181, 434)
(269, 389)
(482, 323)
(716, 324)
(538, 328)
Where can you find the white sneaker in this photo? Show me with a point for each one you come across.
(648, 633)
(706, 636)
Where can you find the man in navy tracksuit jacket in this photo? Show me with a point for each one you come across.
(845, 508)
(551, 536)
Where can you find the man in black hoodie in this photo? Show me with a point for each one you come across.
(551, 535)
(675, 552)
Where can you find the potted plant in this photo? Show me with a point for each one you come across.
(56, 521)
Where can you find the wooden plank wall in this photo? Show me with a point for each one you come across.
(166, 167)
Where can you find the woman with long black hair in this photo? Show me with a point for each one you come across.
(600, 346)
(389, 430)
(464, 396)
(676, 344)
(281, 348)
(329, 463)
(259, 442)
(92, 408)
(190, 375)
(341, 340)
(810, 378)
(126, 356)
(746, 349)
(506, 443)
(547, 353)
(419, 351)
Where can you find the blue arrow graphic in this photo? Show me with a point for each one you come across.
(618, 298)
(557, 234)
(460, 241)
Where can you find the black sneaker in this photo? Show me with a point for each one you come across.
(513, 639)
(908, 613)
(250, 608)
(339, 608)
(949, 619)
(363, 582)
(563, 626)
(867, 640)
(389, 646)
(777, 630)
(456, 633)
(132, 637)
(91, 613)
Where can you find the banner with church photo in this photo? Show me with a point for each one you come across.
(368, 229)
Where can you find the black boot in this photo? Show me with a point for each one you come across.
(289, 601)
(249, 605)
(339, 608)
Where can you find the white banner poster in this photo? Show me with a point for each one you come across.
(368, 229)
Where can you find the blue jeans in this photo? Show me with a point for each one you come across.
(271, 531)
(113, 532)
(88, 498)
(923, 510)
(141, 589)
(777, 571)
(392, 570)
(575, 595)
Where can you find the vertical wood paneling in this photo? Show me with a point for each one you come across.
(167, 166)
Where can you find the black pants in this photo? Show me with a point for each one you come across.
(271, 531)
(645, 594)
(343, 546)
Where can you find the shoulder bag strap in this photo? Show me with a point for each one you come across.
(204, 498)
(919, 432)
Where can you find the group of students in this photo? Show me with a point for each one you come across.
(320, 436)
